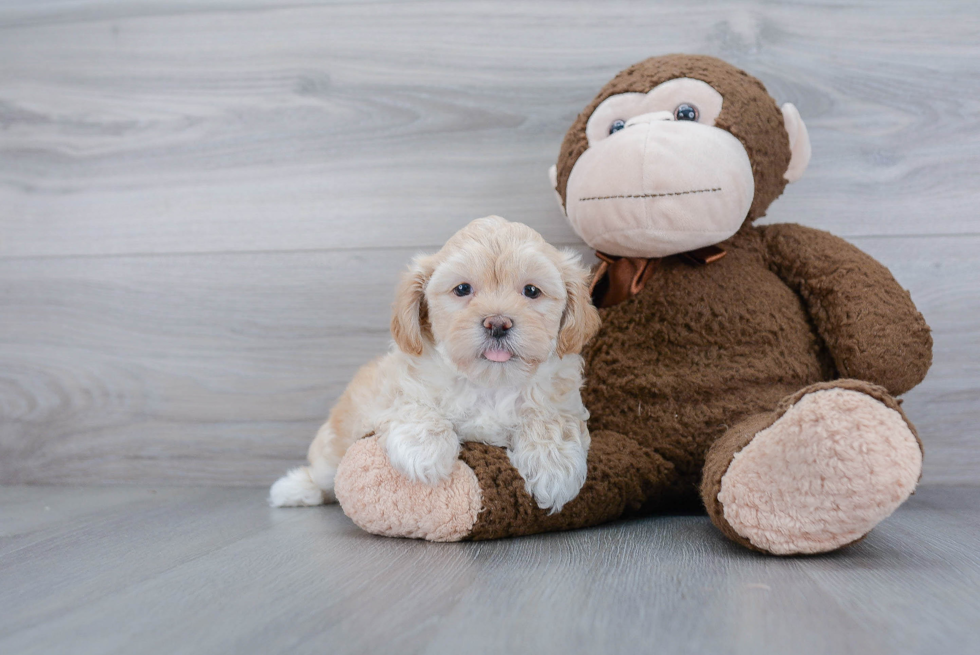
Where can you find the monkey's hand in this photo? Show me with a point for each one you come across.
(867, 320)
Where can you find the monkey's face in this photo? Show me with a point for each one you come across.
(658, 173)
(658, 177)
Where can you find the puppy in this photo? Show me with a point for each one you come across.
(486, 333)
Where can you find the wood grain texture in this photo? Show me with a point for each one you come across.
(219, 368)
(123, 570)
(190, 127)
(204, 205)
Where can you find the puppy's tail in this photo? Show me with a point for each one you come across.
(299, 488)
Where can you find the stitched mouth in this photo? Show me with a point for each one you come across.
(653, 195)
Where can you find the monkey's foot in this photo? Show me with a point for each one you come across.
(833, 465)
(380, 500)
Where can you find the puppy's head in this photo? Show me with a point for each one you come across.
(496, 302)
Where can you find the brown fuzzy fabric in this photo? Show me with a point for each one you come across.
(866, 319)
(622, 479)
(748, 112)
(699, 349)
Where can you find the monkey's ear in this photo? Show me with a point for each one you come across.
(409, 318)
(799, 143)
(553, 176)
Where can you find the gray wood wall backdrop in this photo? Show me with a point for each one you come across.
(204, 204)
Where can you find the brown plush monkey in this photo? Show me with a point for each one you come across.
(751, 369)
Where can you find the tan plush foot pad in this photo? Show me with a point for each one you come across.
(825, 473)
(379, 500)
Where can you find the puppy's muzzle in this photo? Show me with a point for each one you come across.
(497, 326)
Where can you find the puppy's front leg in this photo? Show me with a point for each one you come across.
(550, 453)
(421, 444)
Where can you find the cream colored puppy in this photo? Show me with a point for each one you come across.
(487, 333)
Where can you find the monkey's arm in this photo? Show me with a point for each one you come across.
(867, 320)
(486, 497)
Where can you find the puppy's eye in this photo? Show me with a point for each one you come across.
(463, 290)
(617, 125)
(686, 112)
(531, 291)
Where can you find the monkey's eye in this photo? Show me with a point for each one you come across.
(617, 125)
(686, 112)
(531, 291)
(463, 290)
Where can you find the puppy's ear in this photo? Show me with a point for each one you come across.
(409, 315)
(580, 321)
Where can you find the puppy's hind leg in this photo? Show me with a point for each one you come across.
(305, 486)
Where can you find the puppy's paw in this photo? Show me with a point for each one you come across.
(422, 452)
(553, 472)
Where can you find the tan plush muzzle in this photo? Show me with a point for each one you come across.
(659, 187)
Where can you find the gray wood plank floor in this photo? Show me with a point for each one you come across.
(199, 570)
(204, 205)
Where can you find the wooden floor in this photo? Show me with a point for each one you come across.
(213, 570)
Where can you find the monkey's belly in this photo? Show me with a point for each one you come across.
(697, 351)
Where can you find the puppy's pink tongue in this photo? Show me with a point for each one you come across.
(497, 355)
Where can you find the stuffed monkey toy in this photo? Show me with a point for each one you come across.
(749, 369)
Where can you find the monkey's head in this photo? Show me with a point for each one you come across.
(674, 154)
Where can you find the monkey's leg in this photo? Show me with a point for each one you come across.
(485, 498)
(816, 474)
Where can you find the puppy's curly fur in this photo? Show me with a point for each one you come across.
(487, 334)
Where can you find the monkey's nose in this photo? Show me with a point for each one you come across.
(497, 326)
(652, 117)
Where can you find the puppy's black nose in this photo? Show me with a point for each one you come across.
(497, 326)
